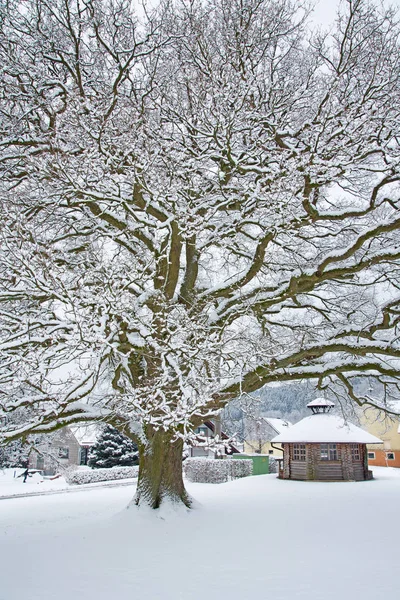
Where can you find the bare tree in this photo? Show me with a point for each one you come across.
(193, 206)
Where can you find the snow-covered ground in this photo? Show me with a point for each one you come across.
(11, 483)
(254, 538)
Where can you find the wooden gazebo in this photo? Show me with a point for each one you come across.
(325, 447)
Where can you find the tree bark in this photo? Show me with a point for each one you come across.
(160, 471)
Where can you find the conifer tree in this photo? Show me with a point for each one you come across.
(15, 454)
(113, 449)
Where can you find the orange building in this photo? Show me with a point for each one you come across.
(387, 429)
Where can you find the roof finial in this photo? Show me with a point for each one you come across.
(320, 405)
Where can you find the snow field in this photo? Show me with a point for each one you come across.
(71, 482)
(14, 486)
(252, 538)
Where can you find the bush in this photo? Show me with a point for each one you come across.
(15, 454)
(96, 475)
(209, 470)
(273, 465)
(240, 468)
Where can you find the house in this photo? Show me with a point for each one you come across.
(86, 436)
(325, 447)
(66, 447)
(376, 422)
(207, 433)
(70, 446)
(259, 433)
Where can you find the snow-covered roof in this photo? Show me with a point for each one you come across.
(86, 435)
(280, 425)
(394, 405)
(320, 402)
(323, 427)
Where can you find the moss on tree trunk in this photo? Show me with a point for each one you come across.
(160, 471)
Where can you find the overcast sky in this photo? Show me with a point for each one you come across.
(325, 10)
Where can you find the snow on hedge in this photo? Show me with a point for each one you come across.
(209, 470)
(95, 475)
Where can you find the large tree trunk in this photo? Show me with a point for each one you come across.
(160, 471)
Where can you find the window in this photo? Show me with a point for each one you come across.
(371, 455)
(299, 452)
(355, 452)
(270, 451)
(202, 431)
(390, 455)
(329, 452)
(63, 453)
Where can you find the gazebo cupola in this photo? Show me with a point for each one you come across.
(320, 405)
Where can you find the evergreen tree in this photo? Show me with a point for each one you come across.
(15, 454)
(113, 449)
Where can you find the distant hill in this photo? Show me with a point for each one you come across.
(286, 402)
(289, 401)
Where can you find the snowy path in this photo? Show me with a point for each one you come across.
(70, 489)
(254, 538)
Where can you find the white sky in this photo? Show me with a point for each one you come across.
(325, 10)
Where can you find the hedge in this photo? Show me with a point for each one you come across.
(210, 470)
(95, 475)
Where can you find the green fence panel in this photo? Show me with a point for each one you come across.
(260, 462)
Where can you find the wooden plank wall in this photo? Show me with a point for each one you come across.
(313, 468)
(298, 469)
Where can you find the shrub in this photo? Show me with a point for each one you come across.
(273, 465)
(209, 470)
(96, 475)
(15, 454)
(240, 468)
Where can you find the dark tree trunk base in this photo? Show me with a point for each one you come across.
(160, 471)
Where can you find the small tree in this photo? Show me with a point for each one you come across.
(113, 449)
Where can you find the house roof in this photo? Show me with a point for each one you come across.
(394, 405)
(86, 435)
(323, 427)
(280, 425)
(224, 436)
